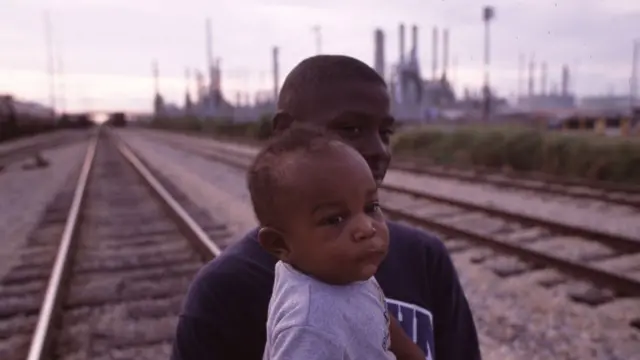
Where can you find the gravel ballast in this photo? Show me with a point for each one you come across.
(586, 213)
(24, 194)
(516, 317)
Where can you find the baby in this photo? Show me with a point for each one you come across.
(317, 204)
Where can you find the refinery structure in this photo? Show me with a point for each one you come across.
(208, 100)
(418, 95)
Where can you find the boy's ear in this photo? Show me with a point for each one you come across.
(281, 121)
(273, 242)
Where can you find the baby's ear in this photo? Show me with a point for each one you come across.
(273, 242)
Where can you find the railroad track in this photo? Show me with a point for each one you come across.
(104, 273)
(608, 192)
(602, 266)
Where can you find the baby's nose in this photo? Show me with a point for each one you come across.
(363, 228)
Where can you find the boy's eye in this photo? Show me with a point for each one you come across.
(351, 130)
(374, 207)
(386, 133)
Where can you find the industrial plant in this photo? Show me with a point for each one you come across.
(418, 95)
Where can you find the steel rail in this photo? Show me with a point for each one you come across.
(548, 184)
(626, 285)
(617, 241)
(59, 275)
(602, 277)
(58, 280)
(556, 188)
(188, 226)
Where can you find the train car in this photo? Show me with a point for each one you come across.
(20, 118)
(75, 121)
(8, 120)
(117, 119)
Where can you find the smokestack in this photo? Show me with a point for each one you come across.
(378, 56)
(532, 69)
(209, 54)
(454, 69)
(156, 75)
(445, 53)
(218, 77)
(434, 64)
(187, 80)
(633, 91)
(565, 80)
(414, 43)
(521, 70)
(199, 85)
(543, 78)
(401, 43)
(276, 75)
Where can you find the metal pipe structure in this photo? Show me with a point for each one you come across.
(414, 43)
(488, 13)
(378, 55)
(156, 74)
(445, 53)
(532, 68)
(543, 78)
(565, 80)
(276, 75)
(434, 64)
(521, 70)
(402, 49)
(209, 54)
(633, 91)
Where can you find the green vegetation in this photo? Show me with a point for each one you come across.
(586, 156)
(512, 149)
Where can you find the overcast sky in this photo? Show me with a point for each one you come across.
(107, 46)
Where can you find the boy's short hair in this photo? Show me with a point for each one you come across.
(321, 70)
(266, 174)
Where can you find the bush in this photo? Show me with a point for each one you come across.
(526, 150)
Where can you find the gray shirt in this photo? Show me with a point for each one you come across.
(312, 320)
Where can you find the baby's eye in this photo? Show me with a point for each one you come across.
(332, 220)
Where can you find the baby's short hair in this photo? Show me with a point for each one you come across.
(266, 174)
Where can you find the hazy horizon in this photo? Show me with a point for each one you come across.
(107, 47)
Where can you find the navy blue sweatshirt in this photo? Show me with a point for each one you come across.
(225, 312)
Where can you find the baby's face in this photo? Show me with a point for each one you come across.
(333, 225)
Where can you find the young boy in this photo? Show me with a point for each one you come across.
(316, 200)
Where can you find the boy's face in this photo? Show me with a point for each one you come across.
(332, 226)
(358, 112)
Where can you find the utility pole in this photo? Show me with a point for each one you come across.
(61, 78)
(276, 75)
(50, 62)
(488, 13)
(633, 81)
(318, 38)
